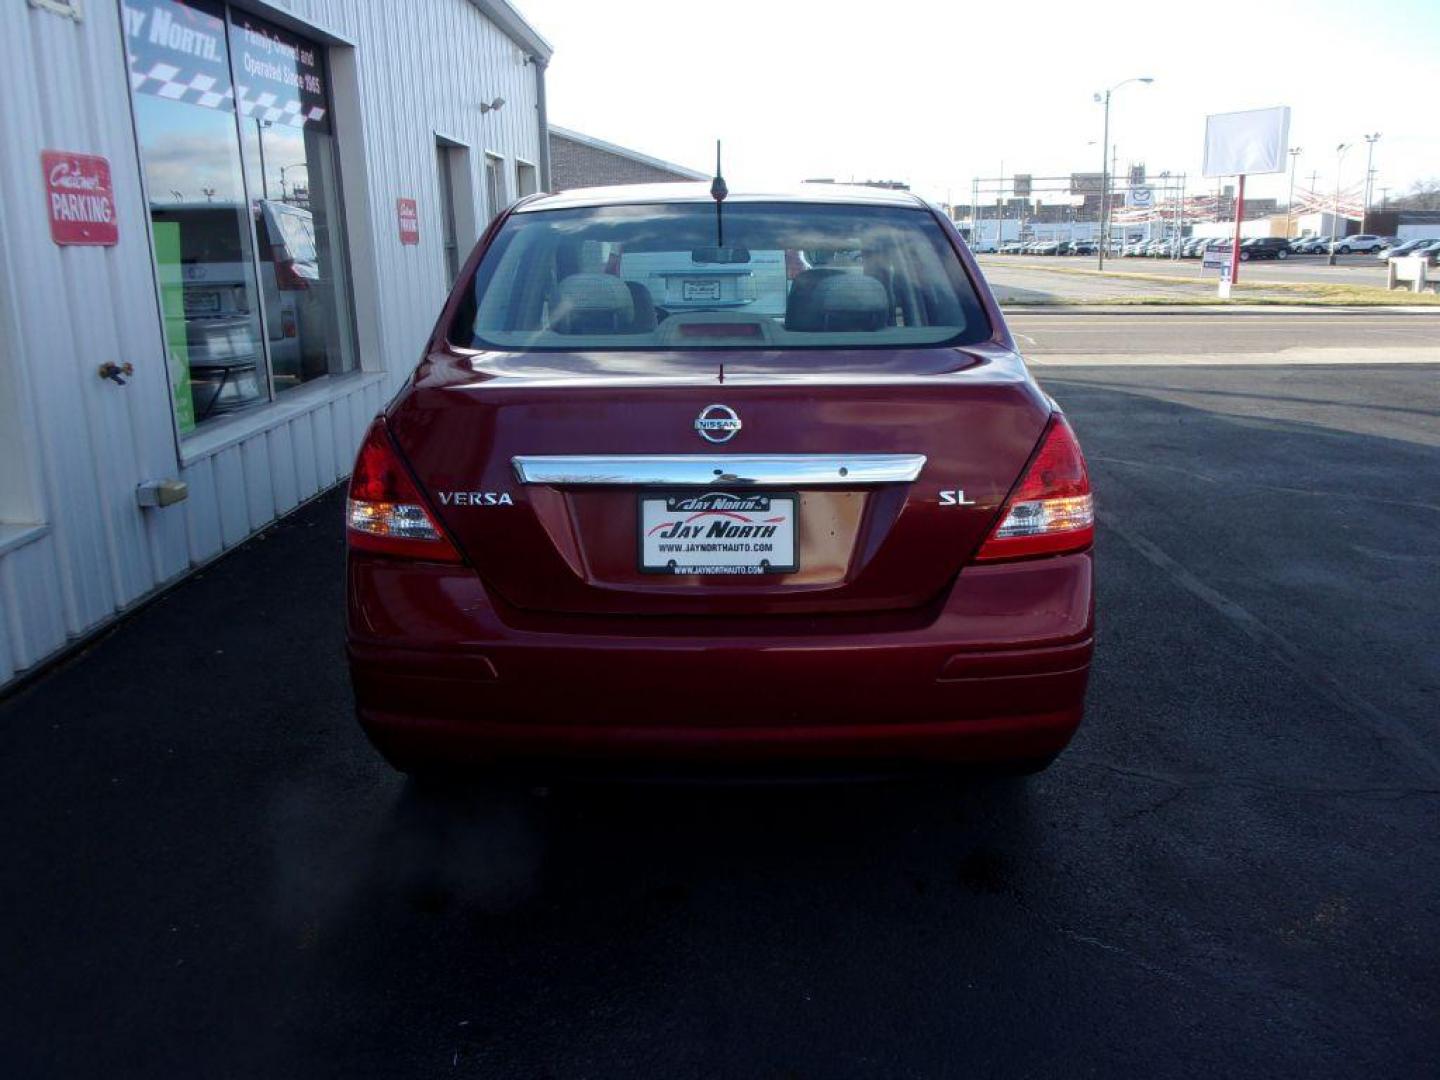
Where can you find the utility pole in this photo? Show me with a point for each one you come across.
(1000, 209)
(1105, 168)
(974, 210)
(1335, 209)
(1104, 182)
(1294, 152)
(1371, 140)
(1180, 217)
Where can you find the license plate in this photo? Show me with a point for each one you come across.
(718, 532)
(700, 290)
(197, 303)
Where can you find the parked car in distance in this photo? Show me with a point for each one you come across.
(1265, 247)
(1360, 242)
(1045, 247)
(1405, 247)
(1429, 252)
(1084, 247)
(678, 281)
(984, 247)
(572, 547)
(1313, 245)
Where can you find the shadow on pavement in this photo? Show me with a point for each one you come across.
(1231, 871)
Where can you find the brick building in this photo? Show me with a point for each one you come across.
(580, 161)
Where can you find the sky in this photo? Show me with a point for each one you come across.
(936, 94)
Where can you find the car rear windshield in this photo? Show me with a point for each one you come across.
(754, 275)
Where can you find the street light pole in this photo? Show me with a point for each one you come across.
(1000, 210)
(1104, 182)
(1369, 176)
(1290, 204)
(1335, 209)
(1105, 165)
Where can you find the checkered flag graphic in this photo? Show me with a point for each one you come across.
(168, 81)
(269, 109)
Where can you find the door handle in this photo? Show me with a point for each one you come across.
(114, 372)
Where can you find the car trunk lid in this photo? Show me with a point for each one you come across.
(897, 462)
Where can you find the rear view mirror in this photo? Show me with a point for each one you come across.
(720, 255)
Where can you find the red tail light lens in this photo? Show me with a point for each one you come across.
(287, 275)
(385, 512)
(1050, 510)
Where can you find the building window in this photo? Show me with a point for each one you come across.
(450, 160)
(494, 185)
(233, 117)
(527, 179)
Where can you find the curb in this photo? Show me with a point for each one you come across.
(1243, 310)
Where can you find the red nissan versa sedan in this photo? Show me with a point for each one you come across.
(687, 483)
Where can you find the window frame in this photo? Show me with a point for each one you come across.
(521, 163)
(495, 200)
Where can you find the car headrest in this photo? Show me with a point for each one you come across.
(645, 318)
(592, 304)
(830, 300)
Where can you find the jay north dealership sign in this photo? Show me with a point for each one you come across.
(185, 52)
(80, 198)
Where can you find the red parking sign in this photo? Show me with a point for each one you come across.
(80, 198)
(409, 217)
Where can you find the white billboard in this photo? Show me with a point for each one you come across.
(1249, 142)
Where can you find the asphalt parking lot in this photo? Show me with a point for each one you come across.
(1233, 871)
(1354, 269)
(1026, 279)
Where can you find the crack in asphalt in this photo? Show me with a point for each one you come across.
(1239, 482)
(1201, 782)
(1386, 728)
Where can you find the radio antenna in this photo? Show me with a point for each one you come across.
(718, 191)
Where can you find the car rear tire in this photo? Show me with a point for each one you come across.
(1344, 251)
(1282, 254)
(1021, 767)
(1244, 256)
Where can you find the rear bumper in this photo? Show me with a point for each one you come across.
(998, 673)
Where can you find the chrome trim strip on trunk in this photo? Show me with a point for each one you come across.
(702, 470)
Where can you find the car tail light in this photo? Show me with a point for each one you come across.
(1050, 511)
(288, 326)
(286, 276)
(385, 512)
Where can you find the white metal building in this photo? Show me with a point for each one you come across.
(226, 229)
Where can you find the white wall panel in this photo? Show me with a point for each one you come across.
(229, 476)
(420, 69)
(282, 467)
(202, 512)
(302, 432)
(325, 468)
(259, 490)
(28, 579)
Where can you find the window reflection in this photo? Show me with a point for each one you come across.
(203, 255)
(289, 157)
(306, 295)
(234, 131)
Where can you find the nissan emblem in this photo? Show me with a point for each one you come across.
(717, 423)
